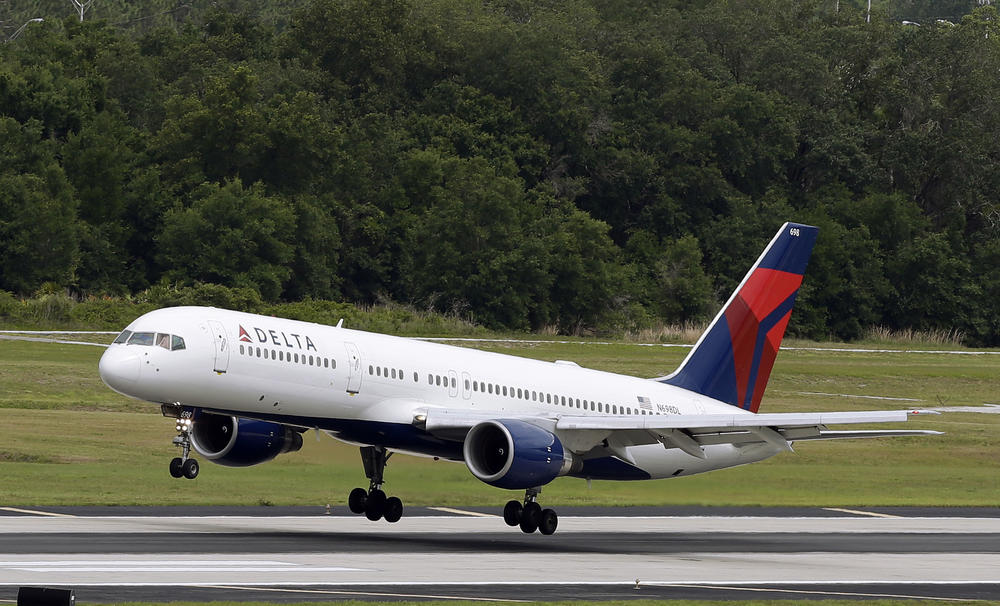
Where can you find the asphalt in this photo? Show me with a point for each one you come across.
(279, 554)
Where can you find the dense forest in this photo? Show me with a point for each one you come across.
(578, 164)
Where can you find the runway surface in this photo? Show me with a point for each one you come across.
(303, 554)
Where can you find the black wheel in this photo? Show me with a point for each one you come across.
(393, 510)
(547, 522)
(190, 469)
(175, 467)
(356, 501)
(530, 517)
(512, 513)
(375, 505)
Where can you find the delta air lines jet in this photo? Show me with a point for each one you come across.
(244, 388)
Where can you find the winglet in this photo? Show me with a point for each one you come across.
(732, 360)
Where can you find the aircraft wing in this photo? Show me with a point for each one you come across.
(689, 433)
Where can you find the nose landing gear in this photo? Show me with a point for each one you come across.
(374, 503)
(530, 516)
(183, 466)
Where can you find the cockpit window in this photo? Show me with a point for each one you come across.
(162, 340)
(178, 343)
(141, 338)
(123, 337)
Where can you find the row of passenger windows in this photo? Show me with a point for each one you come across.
(287, 356)
(518, 393)
(397, 374)
(169, 342)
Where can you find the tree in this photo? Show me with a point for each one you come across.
(38, 234)
(230, 235)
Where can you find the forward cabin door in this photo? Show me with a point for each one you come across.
(353, 368)
(221, 345)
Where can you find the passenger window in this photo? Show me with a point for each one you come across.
(123, 337)
(371, 369)
(241, 350)
(141, 338)
(466, 385)
(454, 382)
(176, 343)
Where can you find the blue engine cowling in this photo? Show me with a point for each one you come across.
(237, 442)
(508, 453)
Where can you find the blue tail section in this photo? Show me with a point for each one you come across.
(732, 361)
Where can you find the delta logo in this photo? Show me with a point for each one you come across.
(277, 337)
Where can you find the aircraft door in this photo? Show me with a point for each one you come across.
(221, 345)
(353, 368)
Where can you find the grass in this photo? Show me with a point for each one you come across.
(636, 602)
(71, 441)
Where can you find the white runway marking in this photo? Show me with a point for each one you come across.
(489, 567)
(463, 512)
(851, 395)
(44, 340)
(862, 513)
(465, 525)
(363, 593)
(847, 594)
(956, 352)
(37, 513)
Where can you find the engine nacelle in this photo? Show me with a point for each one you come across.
(508, 453)
(237, 442)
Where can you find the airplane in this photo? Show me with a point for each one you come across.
(243, 388)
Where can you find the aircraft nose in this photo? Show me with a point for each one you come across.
(119, 369)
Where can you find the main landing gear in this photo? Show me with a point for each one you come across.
(530, 516)
(184, 466)
(373, 503)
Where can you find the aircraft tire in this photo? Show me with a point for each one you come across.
(176, 467)
(512, 513)
(375, 505)
(548, 522)
(191, 469)
(356, 500)
(530, 517)
(393, 510)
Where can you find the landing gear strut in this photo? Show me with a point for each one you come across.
(373, 503)
(530, 516)
(183, 466)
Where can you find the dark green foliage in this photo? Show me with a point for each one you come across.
(573, 164)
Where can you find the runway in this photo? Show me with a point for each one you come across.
(304, 554)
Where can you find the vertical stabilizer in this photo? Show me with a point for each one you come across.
(733, 358)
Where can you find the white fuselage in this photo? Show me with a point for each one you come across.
(369, 388)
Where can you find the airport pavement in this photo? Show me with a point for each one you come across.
(303, 555)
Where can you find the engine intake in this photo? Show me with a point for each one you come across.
(509, 453)
(238, 442)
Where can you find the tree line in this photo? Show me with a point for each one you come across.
(579, 164)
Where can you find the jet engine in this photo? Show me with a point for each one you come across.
(238, 442)
(509, 453)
